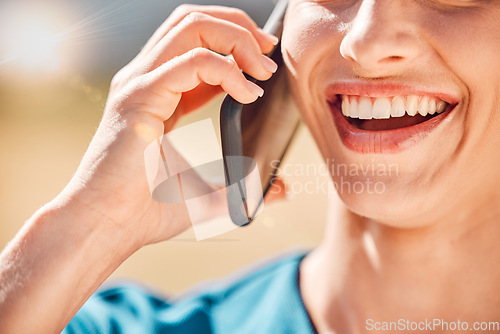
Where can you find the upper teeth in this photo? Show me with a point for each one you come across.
(364, 107)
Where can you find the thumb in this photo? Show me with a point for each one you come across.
(276, 191)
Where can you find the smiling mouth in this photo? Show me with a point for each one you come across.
(379, 122)
(389, 113)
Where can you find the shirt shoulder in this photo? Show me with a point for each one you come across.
(261, 298)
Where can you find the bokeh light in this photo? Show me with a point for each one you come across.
(30, 37)
(35, 45)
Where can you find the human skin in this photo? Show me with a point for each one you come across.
(427, 246)
(106, 213)
(424, 248)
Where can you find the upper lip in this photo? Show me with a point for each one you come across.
(388, 89)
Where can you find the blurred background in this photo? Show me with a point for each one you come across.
(57, 58)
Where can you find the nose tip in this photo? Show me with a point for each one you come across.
(372, 54)
(379, 44)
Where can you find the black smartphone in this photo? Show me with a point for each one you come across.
(257, 135)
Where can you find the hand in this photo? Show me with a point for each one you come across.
(180, 69)
(72, 244)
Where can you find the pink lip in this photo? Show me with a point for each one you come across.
(385, 141)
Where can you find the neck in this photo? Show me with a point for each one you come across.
(365, 272)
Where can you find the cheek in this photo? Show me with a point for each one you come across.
(468, 42)
(309, 30)
(469, 45)
(311, 34)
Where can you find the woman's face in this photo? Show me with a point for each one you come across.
(437, 62)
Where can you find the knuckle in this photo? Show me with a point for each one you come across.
(125, 75)
(194, 18)
(115, 80)
(183, 9)
(231, 65)
(244, 40)
(138, 88)
(247, 35)
(118, 79)
(200, 55)
(229, 68)
(240, 13)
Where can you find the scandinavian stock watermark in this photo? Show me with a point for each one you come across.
(186, 166)
(222, 193)
(345, 178)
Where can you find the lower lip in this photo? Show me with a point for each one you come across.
(385, 141)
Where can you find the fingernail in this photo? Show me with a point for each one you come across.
(255, 89)
(271, 38)
(269, 64)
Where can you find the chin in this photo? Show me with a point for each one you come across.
(396, 206)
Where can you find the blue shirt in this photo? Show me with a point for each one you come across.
(260, 300)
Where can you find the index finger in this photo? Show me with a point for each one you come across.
(266, 41)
